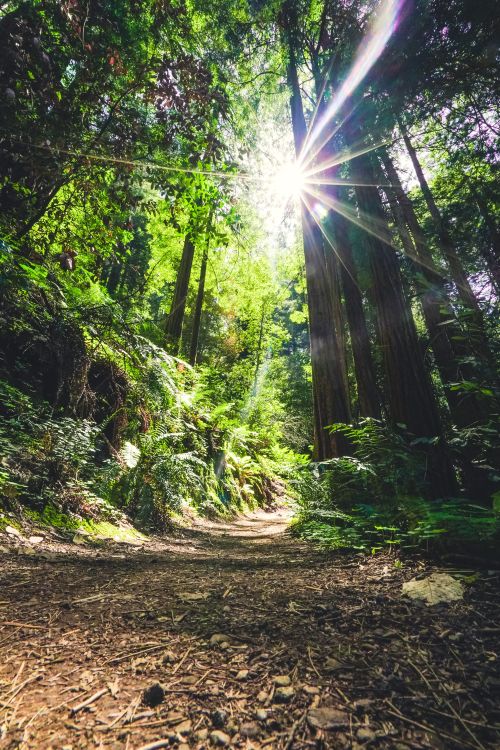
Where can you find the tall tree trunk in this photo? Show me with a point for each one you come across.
(458, 274)
(410, 394)
(368, 395)
(195, 334)
(178, 308)
(491, 255)
(445, 336)
(331, 402)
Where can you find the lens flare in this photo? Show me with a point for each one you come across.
(379, 33)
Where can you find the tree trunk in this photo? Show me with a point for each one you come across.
(178, 308)
(410, 394)
(195, 334)
(458, 274)
(491, 256)
(446, 338)
(331, 403)
(368, 394)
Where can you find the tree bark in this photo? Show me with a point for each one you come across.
(458, 274)
(175, 319)
(410, 395)
(368, 394)
(331, 403)
(195, 334)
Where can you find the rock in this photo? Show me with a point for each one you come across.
(242, 674)
(261, 714)
(231, 727)
(153, 695)
(189, 679)
(219, 718)
(284, 694)
(250, 730)
(218, 638)
(184, 727)
(262, 696)
(364, 734)
(12, 531)
(201, 735)
(310, 690)
(168, 658)
(327, 718)
(436, 588)
(221, 739)
(282, 680)
(183, 746)
(35, 539)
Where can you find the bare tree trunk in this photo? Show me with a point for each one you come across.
(331, 402)
(410, 394)
(458, 274)
(175, 319)
(368, 394)
(195, 334)
(446, 338)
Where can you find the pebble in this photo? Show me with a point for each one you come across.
(262, 696)
(284, 694)
(218, 638)
(364, 734)
(242, 674)
(282, 680)
(250, 730)
(261, 714)
(221, 739)
(310, 690)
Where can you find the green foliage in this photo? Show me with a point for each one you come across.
(374, 500)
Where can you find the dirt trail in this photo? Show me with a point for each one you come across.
(256, 639)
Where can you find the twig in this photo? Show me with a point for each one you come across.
(89, 701)
(293, 731)
(131, 654)
(179, 665)
(24, 625)
(155, 745)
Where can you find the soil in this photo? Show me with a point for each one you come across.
(239, 635)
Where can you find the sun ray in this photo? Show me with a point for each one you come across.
(374, 43)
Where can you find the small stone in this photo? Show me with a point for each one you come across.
(168, 658)
(218, 638)
(284, 694)
(310, 690)
(364, 734)
(231, 727)
(219, 718)
(183, 746)
(261, 714)
(250, 730)
(282, 680)
(242, 674)
(12, 531)
(35, 539)
(327, 718)
(153, 695)
(221, 739)
(189, 679)
(262, 696)
(201, 735)
(184, 727)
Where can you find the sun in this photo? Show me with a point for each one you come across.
(288, 181)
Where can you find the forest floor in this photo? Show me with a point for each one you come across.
(242, 636)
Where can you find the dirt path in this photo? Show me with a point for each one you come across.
(256, 640)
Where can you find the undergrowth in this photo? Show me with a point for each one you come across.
(376, 500)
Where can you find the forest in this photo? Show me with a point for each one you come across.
(249, 374)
